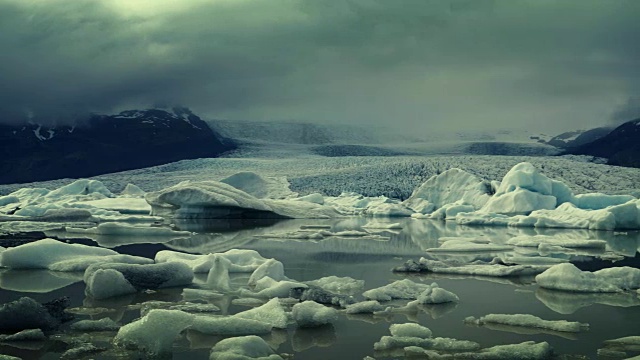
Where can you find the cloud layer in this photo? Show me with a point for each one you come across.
(414, 63)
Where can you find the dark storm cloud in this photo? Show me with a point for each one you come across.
(420, 63)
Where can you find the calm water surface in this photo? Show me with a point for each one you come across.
(352, 337)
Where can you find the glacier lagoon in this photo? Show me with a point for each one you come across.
(363, 257)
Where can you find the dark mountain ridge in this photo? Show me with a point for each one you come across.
(621, 146)
(106, 143)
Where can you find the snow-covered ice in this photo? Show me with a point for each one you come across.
(312, 314)
(568, 277)
(108, 280)
(527, 320)
(243, 348)
(400, 289)
(58, 256)
(240, 260)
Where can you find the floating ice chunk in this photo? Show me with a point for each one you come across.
(79, 351)
(597, 201)
(567, 277)
(436, 295)
(526, 320)
(449, 187)
(105, 324)
(388, 210)
(106, 280)
(270, 288)
(82, 263)
(449, 211)
(271, 268)
(230, 326)
(114, 228)
(315, 198)
(519, 201)
(42, 254)
(24, 335)
(80, 187)
(567, 215)
(319, 295)
(364, 307)
(212, 199)
(271, 313)
(339, 285)
(468, 246)
(524, 351)
(624, 342)
(124, 205)
(186, 307)
(312, 314)
(525, 176)
(443, 344)
(410, 330)
(382, 225)
(243, 348)
(218, 277)
(154, 333)
(106, 283)
(401, 289)
(26, 313)
(493, 270)
(536, 240)
(132, 190)
(240, 260)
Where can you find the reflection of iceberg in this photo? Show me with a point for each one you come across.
(525, 330)
(37, 281)
(306, 338)
(569, 302)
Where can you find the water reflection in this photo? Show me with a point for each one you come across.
(569, 302)
(307, 338)
(37, 281)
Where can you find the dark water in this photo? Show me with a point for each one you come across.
(352, 337)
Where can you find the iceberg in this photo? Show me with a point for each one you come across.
(108, 280)
(212, 199)
(526, 320)
(312, 314)
(58, 256)
(243, 348)
(568, 277)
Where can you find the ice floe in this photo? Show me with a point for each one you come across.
(243, 348)
(568, 277)
(108, 280)
(312, 314)
(58, 256)
(527, 320)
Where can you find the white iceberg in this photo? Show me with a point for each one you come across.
(401, 289)
(452, 186)
(240, 260)
(108, 280)
(312, 314)
(536, 240)
(243, 348)
(59, 256)
(527, 320)
(568, 277)
(212, 199)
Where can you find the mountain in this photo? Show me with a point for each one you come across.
(572, 139)
(621, 146)
(106, 143)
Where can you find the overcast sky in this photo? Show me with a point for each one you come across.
(537, 64)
